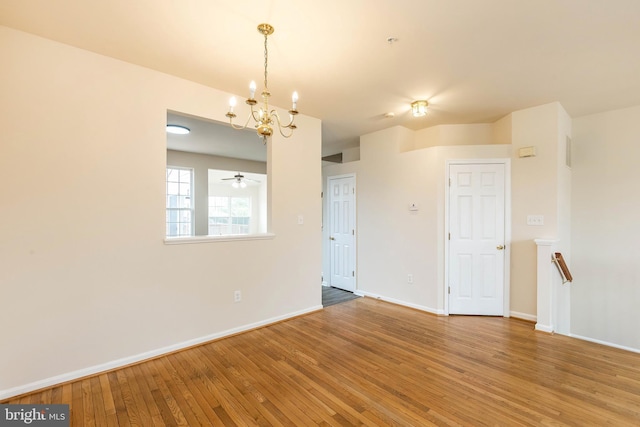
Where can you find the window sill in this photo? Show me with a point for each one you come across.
(212, 239)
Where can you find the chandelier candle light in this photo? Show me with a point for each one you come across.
(265, 118)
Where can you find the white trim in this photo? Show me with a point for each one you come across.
(399, 302)
(523, 316)
(507, 228)
(545, 242)
(92, 370)
(609, 344)
(211, 239)
(544, 328)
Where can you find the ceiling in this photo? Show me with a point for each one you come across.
(210, 137)
(474, 61)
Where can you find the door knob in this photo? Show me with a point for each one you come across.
(332, 238)
(499, 247)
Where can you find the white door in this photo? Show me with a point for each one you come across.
(476, 239)
(342, 230)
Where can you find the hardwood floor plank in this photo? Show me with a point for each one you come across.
(367, 362)
(167, 405)
(77, 406)
(110, 412)
(118, 400)
(199, 390)
(167, 380)
(99, 414)
(142, 388)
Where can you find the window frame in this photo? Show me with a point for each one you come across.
(191, 209)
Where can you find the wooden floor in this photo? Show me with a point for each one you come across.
(366, 362)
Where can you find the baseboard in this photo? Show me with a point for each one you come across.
(544, 328)
(130, 360)
(523, 316)
(400, 302)
(609, 344)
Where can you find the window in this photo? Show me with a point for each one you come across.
(179, 202)
(229, 215)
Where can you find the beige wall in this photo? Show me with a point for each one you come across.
(605, 294)
(393, 242)
(536, 190)
(87, 282)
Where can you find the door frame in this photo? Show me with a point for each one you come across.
(507, 228)
(327, 227)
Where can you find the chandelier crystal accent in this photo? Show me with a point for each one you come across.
(265, 117)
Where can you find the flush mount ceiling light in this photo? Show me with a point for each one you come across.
(265, 118)
(419, 108)
(178, 130)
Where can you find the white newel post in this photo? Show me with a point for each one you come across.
(546, 309)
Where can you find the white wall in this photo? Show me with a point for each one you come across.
(605, 294)
(87, 282)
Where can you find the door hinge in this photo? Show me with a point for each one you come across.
(449, 236)
(449, 182)
(353, 274)
(321, 194)
(449, 290)
(353, 232)
(353, 190)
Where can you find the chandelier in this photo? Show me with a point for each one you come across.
(265, 118)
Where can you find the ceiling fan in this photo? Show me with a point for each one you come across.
(239, 181)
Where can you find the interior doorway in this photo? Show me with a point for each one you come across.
(342, 231)
(476, 237)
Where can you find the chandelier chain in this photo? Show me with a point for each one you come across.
(266, 58)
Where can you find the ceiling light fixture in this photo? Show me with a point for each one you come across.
(239, 183)
(265, 118)
(178, 130)
(419, 108)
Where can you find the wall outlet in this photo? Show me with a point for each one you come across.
(409, 278)
(237, 296)
(535, 219)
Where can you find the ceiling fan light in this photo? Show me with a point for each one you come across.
(419, 108)
(235, 184)
(243, 184)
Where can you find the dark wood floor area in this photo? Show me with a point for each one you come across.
(367, 362)
(332, 296)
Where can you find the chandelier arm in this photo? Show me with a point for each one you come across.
(253, 115)
(275, 115)
(290, 125)
(237, 127)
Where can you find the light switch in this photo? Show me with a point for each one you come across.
(535, 219)
(300, 220)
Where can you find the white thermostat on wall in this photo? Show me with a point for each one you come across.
(413, 207)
